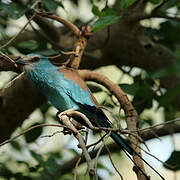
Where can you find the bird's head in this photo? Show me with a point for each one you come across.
(33, 62)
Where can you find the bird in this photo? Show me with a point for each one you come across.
(65, 89)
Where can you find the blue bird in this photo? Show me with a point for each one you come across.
(65, 89)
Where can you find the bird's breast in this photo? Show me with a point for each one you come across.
(53, 88)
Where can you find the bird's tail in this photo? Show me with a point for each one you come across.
(125, 146)
(100, 119)
(121, 142)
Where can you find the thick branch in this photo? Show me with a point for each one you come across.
(6, 65)
(17, 101)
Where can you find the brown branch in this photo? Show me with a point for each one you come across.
(14, 37)
(66, 121)
(80, 45)
(7, 62)
(29, 129)
(159, 124)
(71, 26)
(109, 154)
(130, 112)
(51, 32)
(113, 147)
(72, 113)
(74, 60)
(75, 168)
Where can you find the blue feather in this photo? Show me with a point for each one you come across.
(65, 94)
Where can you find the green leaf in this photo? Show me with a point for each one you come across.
(13, 10)
(104, 21)
(51, 164)
(169, 96)
(108, 12)
(94, 88)
(32, 135)
(130, 88)
(126, 3)
(15, 145)
(162, 73)
(173, 161)
(156, 1)
(20, 176)
(51, 5)
(96, 11)
(5, 172)
(38, 158)
(32, 45)
(44, 108)
(48, 52)
(167, 34)
(169, 4)
(75, 2)
(144, 96)
(104, 12)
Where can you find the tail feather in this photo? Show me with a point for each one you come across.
(121, 142)
(98, 118)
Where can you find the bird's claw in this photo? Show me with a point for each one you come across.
(75, 123)
(59, 114)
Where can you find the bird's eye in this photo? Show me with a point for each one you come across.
(35, 59)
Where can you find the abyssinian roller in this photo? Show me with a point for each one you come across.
(65, 89)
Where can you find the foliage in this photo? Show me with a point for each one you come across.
(173, 161)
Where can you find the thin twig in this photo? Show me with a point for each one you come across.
(109, 154)
(51, 135)
(66, 121)
(35, 3)
(160, 124)
(159, 6)
(14, 37)
(76, 167)
(156, 158)
(8, 58)
(97, 142)
(72, 113)
(86, 137)
(71, 26)
(97, 157)
(29, 129)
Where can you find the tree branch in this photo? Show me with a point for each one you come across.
(130, 113)
(17, 100)
(66, 121)
(113, 147)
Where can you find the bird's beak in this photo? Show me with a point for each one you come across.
(22, 62)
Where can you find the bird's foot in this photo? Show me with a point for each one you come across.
(75, 123)
(59, 114)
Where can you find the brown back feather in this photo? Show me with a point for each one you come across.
(74, 76)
